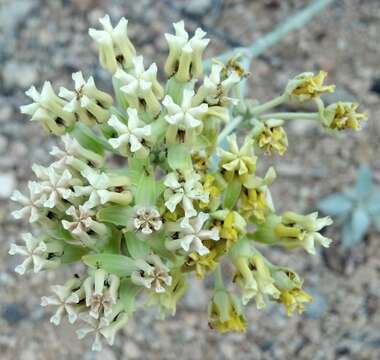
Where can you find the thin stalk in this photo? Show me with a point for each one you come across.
(218, 278)
(291, 116)
(229, 128)
(269, 105)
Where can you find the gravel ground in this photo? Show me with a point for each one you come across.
(47, 40)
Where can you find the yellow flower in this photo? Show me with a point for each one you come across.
(256, 200)
(302, 230)
(225, 312)
(231, 226)
(343, 115)
(307, 86)
(294, 300)
(271, 137)
(210, 186)
(237, 162)
(203, 264)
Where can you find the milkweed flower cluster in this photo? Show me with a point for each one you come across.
(185, 198)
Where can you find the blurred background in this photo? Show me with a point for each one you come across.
(47, 40)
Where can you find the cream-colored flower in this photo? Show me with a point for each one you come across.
(191, 234)
(48, 109)
(185, 55)
(101, 328)
(184, 189)
(66, 298)
(141, 88)
(74, 155)
(37, 253)
(101, 293)
(86, 101)
(100, 189)
(55, 185)
(147, 220)
(131, 136)
(152, 273)
(33, 206)
(215, 89)
(115, 48)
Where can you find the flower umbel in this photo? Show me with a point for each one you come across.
(154, 183)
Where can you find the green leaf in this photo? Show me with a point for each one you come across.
(335, 205)
(115, 214)
(232, 193)
(137, 248)
(146, 192)
(373, 204)
(179, 157)
(88, 139)
(72, 253)
(364, 181)
(113, 243)
(127, 293)
(119, 265)
(355, 230)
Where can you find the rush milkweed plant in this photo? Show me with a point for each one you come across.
(183, 197)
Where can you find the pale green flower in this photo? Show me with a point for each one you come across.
(140, 86)
(66, 298)
(39, 255)
(185, 55)
(115, 48)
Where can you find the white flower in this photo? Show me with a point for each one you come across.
(113, 43)
(48, 109)
(131, 135)
(98, 191)
(147, 220)
(101, 328)
(185, 55)
(184, 189)
(101, 293)
(55, 185)
(141, 86)
(66, 297)
(32, 205)
(191, 234)
(89, 103)
(215, 89)
(152, 274)
(36, 252)
(73, 155)
(184, 117)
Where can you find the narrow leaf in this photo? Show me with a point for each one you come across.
(127, 293)
(119, 265)
(364, 182)
(137, 248)
(232, 193)
(88, 139)
(72, 253)
(179, 157)
(115, 214)
(354, 231)
(145, 193)
(335, 205)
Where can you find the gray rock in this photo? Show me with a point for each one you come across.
(196, 298)
(318, 307)
(7, 185)
(14, 12)
(16, 74)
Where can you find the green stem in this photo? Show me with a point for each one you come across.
(229, 128)
(269, 105)
(218, 278)
(291, 116)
